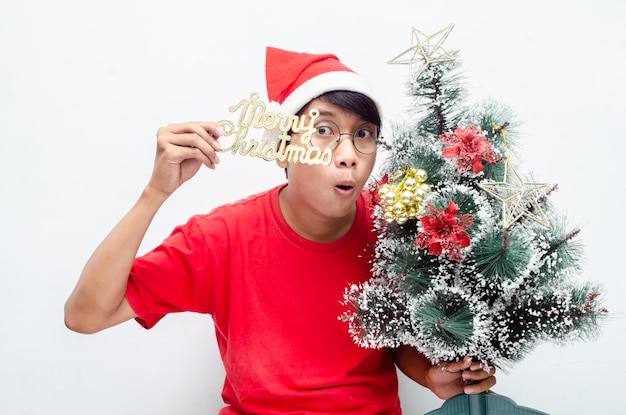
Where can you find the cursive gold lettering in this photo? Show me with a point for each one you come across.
(253, 112)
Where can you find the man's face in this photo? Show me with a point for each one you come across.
(331, 191)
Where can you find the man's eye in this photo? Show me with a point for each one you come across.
(365, 133)
(324, 130)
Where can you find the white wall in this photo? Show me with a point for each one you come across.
(84, 86)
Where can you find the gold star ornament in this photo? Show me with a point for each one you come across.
(519, 198)
(424, 51)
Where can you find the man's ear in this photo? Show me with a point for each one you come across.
(282, 164)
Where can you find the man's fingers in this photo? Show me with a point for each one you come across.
(454, 367)
(207, 131)
(481, 386)
(202, 145)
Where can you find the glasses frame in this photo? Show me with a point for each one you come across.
(335, 143)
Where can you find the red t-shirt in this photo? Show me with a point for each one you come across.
(275, 298)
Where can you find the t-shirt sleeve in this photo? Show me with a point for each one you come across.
(176, 275)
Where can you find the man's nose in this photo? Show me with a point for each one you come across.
(345, 152)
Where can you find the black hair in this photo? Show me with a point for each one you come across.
(356, 102)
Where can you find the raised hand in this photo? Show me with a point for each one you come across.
(181, 150)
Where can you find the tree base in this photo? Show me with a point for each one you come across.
(482, 404)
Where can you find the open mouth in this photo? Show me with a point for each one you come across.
(344, 187)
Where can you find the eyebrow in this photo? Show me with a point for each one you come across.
(327, 113)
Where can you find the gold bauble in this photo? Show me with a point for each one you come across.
(421, 175)
(399, 208)
(410, 183)
(419, 194)
(390, 197)
(389, 217)
(384, 189)
(407, 197)
(402, 218)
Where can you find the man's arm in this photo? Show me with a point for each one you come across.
(98, 300)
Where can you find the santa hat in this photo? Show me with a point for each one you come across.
(294, 79)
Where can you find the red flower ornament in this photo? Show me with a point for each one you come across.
(444, 231)
(468, 147)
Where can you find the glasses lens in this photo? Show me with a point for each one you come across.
(327, 135)
(365, 138)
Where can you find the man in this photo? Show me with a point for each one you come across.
(270, 269)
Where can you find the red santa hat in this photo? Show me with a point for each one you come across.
(294, 79)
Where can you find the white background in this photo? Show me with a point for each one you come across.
(84, 86)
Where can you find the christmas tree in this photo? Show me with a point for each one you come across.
(472, 257)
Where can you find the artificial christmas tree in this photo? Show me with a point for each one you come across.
(472, 258)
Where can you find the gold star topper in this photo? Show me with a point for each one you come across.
(519, 198)
(424, 50)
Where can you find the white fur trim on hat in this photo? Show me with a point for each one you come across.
(319, 85)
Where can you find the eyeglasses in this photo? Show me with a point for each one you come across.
(327, 135)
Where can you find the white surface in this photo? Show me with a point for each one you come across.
(85, 85)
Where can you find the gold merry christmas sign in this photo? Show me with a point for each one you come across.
(254, 113)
